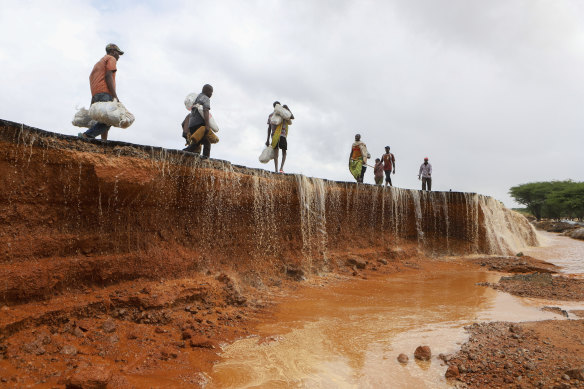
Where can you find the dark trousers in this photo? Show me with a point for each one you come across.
(99, 128)
(388, 177)
(427, 182)
(363, 168)
(204, 142)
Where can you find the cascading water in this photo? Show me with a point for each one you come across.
(167, 212)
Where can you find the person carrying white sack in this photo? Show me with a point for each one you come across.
(102, 82)
(199, 125)
(278, 123)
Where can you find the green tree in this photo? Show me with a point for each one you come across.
(532, 195)
(551, 199)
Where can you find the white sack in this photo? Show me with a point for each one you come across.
(282, 112)
(276, 120)
(190, 101)
(112, 113)
(212, 122)
(267, 155)
(82, 118)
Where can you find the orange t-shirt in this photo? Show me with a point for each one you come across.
(97, 77)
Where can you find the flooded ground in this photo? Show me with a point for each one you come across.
(349, 335)
(560, 250)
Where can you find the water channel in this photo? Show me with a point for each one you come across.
(349, 335)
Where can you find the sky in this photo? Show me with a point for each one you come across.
(490, 91)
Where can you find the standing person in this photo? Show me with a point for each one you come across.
(279, 134)
(358, 159)
(426, 173)
(102, 82)
(378, 171)
(199, 131)
(388, 162)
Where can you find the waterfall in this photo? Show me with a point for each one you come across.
(130, 211)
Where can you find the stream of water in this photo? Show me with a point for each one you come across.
(349, 335)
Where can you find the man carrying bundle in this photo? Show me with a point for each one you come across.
(102, 82)
(358, 159)
(278, 123)
(199, 125)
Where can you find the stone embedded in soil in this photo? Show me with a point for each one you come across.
(91, 377)
(452, 372)
(109, 326)
(69, 350)
(359, 264)
(403, 358)
(423, 353)
(576, 374)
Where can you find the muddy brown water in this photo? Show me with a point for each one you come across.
(349, 335)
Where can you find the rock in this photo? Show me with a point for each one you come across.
(34, 348)
(403, 358)
(359, 264)
(109, 326)
(577, 233)
(186, 334)
(91, 377)
(132, 335)
(295, 273)
(78, 333)
(423, 353)
(576, 374)
(201, 342)
(519, 254)
(382, 261)
(452, 372)
(69, 350)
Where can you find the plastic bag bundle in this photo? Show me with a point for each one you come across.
(212, 122)
(280, 113)
(112, 113)
(190, 101)
(82, 118)
(267, 155)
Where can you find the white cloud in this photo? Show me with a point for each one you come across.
(490, 91)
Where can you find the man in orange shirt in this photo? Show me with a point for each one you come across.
(102, 82)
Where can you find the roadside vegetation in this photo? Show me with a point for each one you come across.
(551, 199)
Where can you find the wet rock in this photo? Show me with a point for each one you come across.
(201, 342)
(69, 350)
(403, 358)
(109, 326)
(295, 273)
(452, 372)
(576, 374)
(359, 264)
(577, 234)
(91, 377)
(423, 353)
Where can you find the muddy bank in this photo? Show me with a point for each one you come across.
(545, 354)
(573, 230)
(542, 285)
(76, 214)
(516, 264)
(142, 333)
